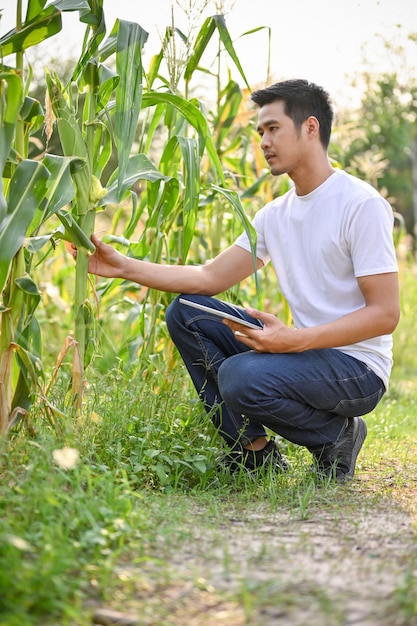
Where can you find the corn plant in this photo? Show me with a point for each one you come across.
(109, 116)
(28, 189)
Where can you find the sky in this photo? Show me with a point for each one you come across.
(326, 41)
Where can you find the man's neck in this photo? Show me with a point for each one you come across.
(307, 181)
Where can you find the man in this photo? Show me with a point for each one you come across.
(330, 241)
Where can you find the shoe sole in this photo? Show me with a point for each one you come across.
(360, 431)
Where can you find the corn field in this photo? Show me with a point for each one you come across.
(137, 158)
(129, 152)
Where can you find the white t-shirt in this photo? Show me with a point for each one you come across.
(319, 244)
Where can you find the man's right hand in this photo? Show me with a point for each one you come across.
(106, 261)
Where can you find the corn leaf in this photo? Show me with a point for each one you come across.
(138, 167)
(195, 117)
(131, 39)
(26, 193)
(41, 27)
(233, 198)
(202, 40)
(227, 112)
(74, 232)
(10, 102)
(191, 175)
(189, 151)
(71, 5)
(60, 188)
(95, 20)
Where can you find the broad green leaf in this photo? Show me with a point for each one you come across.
(102, 149)
(34, 8)
(70, 134)
(10, 101)
(26, 193)
(191, 169)
(60, 188)
(195, 117)
(203, 38)
(72, 140)
(152, 126)
(191, 177)
(131, 39)
(154, 66)
(227, 112)
(138, 167)
(44, 25)
(71, 5)
(74, 232)
(35, 244)
(233, 198)
(228, 44)
(32, 296)
(97, 27)
(108, 82)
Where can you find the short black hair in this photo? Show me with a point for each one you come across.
(301, 99)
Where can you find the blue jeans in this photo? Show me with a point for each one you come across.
(304, 397)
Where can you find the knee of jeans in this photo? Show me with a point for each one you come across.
(232, 384)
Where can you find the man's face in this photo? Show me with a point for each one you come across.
(282, 145)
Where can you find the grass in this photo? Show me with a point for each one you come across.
(145, 522)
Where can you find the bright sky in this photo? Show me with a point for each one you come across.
(321, 40)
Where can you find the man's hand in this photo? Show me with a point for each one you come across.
(105, 261)
(274, 337)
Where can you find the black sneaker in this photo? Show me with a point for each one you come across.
(269, 456)
(339, 461)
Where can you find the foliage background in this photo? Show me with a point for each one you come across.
(87, 476)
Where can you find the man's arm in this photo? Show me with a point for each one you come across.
(379, 316)
(227, 269)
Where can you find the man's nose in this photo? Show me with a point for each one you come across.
(264, 141)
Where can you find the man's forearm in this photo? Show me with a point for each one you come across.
(172, 278)
(357, 326)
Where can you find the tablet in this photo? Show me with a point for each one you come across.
(222, 314)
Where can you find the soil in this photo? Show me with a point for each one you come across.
(344, 564)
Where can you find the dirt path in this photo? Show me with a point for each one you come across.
(342, 565)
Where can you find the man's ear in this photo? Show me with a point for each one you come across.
(312, 125)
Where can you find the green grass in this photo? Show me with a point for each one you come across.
(111, 530)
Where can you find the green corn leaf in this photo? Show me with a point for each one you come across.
(71, 5)
(131, 39)
(191, 173)
(107, 81)
(231, 98)
(26, 193)
(228, 44)
(233, 198)
(32, 295)
(190, 155)
(200, 45)
(138, 167)
(154, 66)
(152, 127)
(74, 232)
(96, 24)
(194, 117)
(60, 185)
(202, 40)
(70, 134)
(44, 25)
(10, 101)
(102, 149)
(72, 140)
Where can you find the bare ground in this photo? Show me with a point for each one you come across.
(349, 562)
